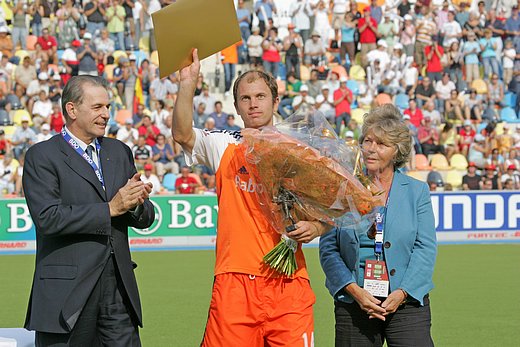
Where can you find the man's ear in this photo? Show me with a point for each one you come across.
(71, 110)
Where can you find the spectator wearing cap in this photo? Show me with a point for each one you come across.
(25, 72)
(465, 137)
(342, 100)
(23, 137)
(42, 109)
(407, 36)
(70, 61)
(471, 180)
(386, 30)
(55, 88)
(478, 151)
(314, 52)
(6, 43)
(381, 55)
(150, 177)
(429, 138)
(303, 102)
(325, 104)
(293, 47)
(186, 183)
(95, 11)
(244, 20)
(44, 134)
(115, 16)
(367, 28)
(491, 174)
(128, 134)
(49, 45)
(415, 113)
(511, 174)
(87, 57)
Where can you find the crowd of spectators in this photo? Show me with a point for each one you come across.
(452, 67)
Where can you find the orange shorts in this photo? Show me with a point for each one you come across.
(257, 311)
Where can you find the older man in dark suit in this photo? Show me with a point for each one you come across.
(83, 193)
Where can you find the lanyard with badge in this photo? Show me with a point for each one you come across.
(84, 154)
(376, 275)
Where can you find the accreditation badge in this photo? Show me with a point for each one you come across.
(376, 278)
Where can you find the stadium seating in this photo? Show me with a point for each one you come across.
(144, 43)
(340, 70)
(439, 162)
(508, 114)
(422, 162)
(357, 114)
(18, 114)
(357, 73)
(459, 162)
(169, 181)
(454, 178)
(416, 174)
(509, 100)
(21, 54)
(353, 85)
(402, 101)
(118, 55)
(480, 86)
(122, 115)
(4, 118)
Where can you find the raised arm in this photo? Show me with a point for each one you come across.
(182, 129)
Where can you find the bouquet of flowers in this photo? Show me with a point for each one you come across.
(305, 172)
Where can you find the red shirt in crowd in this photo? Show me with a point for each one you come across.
(48, 43)
(415, 117)
(344, 105)
(57, 122)
(186, 185)
(150, 134)
(434, 64)
(368, 35)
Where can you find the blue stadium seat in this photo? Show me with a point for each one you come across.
(508, 114)
(509, 100)
(169, 181)
(60, 53)
(402, 101)
(353, 85)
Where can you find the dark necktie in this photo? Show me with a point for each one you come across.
(89, 152)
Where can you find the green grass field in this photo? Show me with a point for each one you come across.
(475, 302)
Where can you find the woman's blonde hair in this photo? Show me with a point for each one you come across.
(387, 125)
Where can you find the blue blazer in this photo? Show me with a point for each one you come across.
(409, 238)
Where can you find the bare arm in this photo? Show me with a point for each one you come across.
(182, 130)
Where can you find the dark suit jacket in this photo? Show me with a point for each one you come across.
(74, 230)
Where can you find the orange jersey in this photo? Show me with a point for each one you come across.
(244, 234)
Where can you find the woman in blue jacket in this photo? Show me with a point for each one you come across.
(380, 273)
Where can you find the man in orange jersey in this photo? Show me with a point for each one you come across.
(251, 305)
